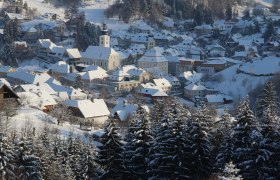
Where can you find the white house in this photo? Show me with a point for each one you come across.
(95, 112)
(192, 90)
(153, 58)
(164, 84)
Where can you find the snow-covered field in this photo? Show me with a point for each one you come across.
(266, 66)
(43, 8)
(29, 117)
(236, 85)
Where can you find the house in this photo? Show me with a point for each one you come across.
(38, 99)
(130, 72)
(175, 84)
(153, 58)
(93, 75)
(95, 112)
(203, 29)
(48, 51)
(60, 68)
(73, 56)
(217, 100)
(173, 64)
(151, 92)
(22, 77)
(123, 111)
(164, 84)
(189, 64)
(189, 77)
(144, 39)
(7, 95)
(192, 90)
(217, 51)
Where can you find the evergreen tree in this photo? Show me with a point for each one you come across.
(169, 152)
(138, 146)
(269, 31)
(200, 160)
(6, 158)
(249, 152)
(87, 168)
(225, 147)
(28, 165)
(109, 155)
(228, 12)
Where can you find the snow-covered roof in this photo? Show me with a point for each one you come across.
(98, 52)
(153, 55)
(73, 53)
(94, 74)
(15, 16)
(191, 76)
(141, 25)
(162, 82)
(29, 78)
(89, 109)
(39, 87)
(124, 110)
(217, 98)
(39, 99)
(47, 43)
(60, 67)
(195, 87)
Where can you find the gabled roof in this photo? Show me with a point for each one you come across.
(29, 78)
(153, 55)
(90, 109)
(98, 52)
(124, 110)
(73, 53)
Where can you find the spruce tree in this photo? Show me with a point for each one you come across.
(28, 165)
(6, 158)
(110, 154)
(137, 148)
(169, 155)
(200, 159)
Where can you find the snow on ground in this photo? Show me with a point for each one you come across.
(266, 66)
(267, 3)
(95, 14)
(35, 118)
(236, 85)
(43, 8)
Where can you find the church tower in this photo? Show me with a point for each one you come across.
(104, 39)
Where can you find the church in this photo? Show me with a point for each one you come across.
(103, 55)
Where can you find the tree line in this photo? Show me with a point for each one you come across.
(154, 10)
(171, 142)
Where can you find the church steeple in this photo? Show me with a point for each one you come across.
(104, 39)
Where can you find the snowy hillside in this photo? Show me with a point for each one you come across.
(236, 85)
(269, 65)
(43, 8)
(267, 3)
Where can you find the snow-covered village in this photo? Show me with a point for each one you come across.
(139, 89)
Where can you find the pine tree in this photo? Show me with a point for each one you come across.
(169, 151)
(228, 12)
(267, 113)
(225, 147)
(6, 158)
(87, 168)
(138, 146)
(249, 152)
(28, 165)
(200, 160)
(109, 155)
